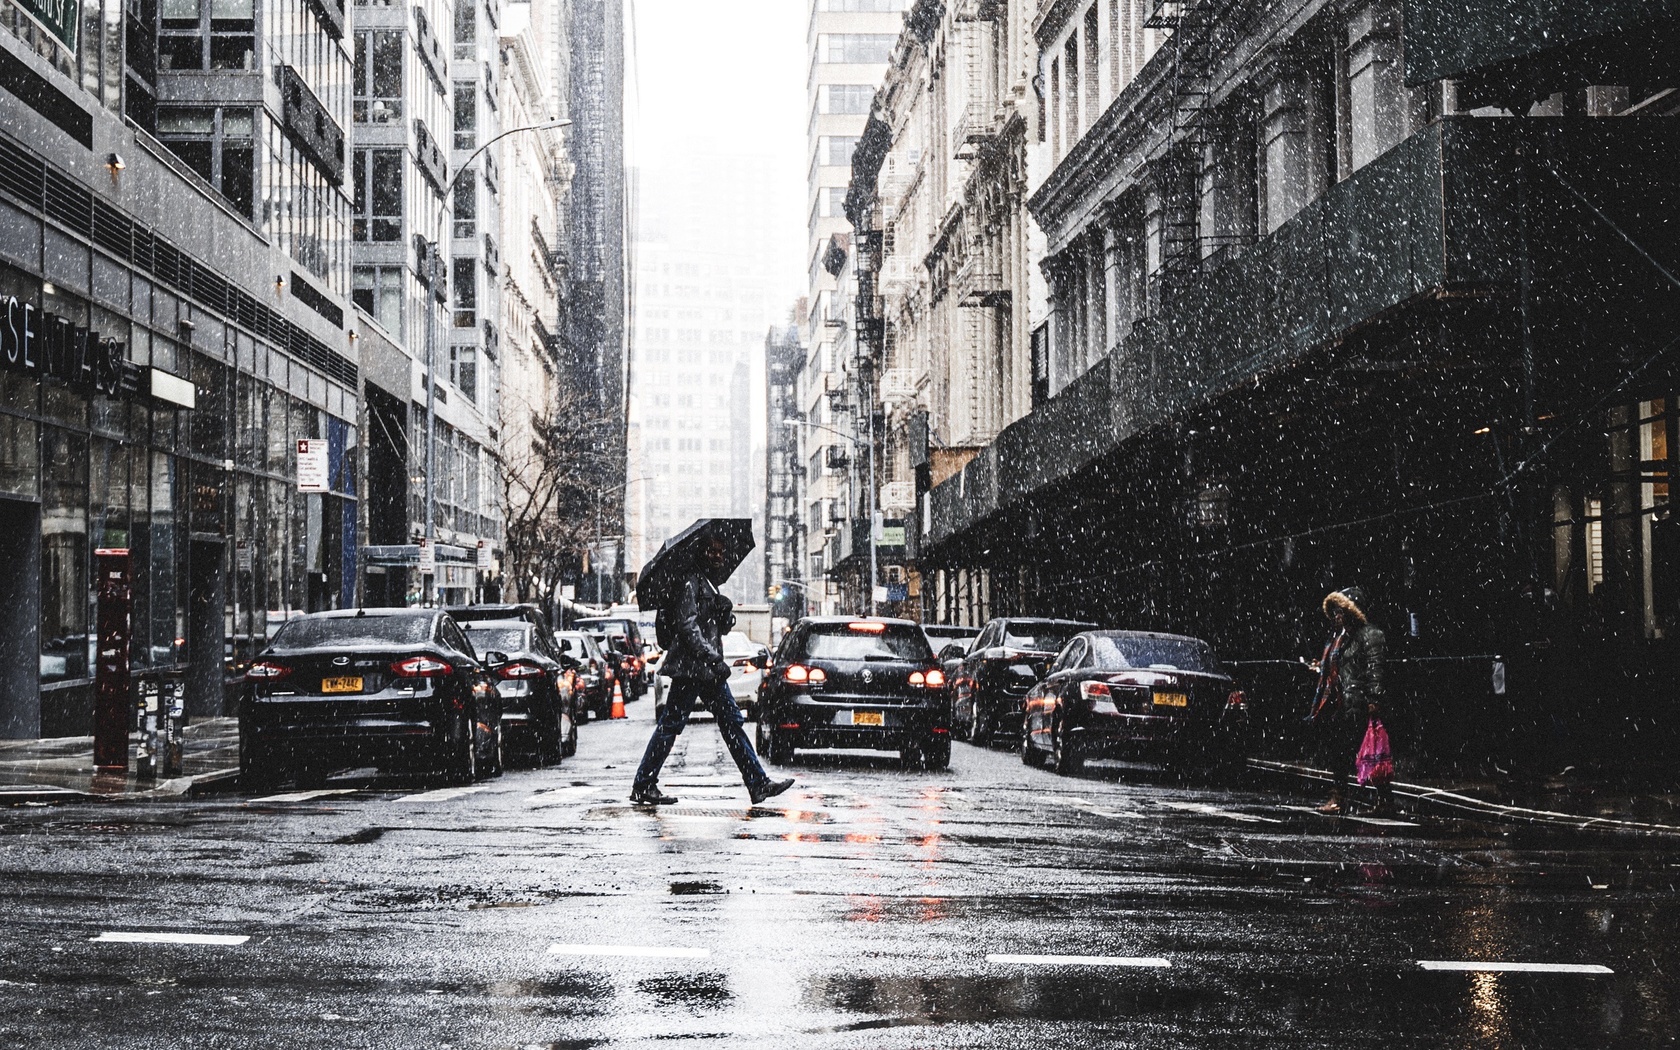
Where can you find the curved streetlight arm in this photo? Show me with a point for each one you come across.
(546, 125)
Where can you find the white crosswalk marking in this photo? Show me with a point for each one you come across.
(165, 937)
(305, 796)
(1080, 960)
(441, 794)
(629, 951)
(1473, 966)
(1215, 811)
(1086, 806)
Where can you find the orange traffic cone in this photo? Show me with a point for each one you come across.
(618, 701)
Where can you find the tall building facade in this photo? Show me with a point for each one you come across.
(850, 43)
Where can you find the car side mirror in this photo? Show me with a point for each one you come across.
(495, 660)
(762, 660)
(570, 663)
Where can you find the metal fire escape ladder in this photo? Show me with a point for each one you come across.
(1191, 51)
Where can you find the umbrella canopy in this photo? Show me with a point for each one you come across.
(680, 555)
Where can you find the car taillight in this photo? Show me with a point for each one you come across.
(1236, 699)
(1094, 690)
(933, 679)
(521, 669)
(265, 671)
(867, 627)
(800, 673)
(421, 667)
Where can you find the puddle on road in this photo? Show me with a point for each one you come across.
(1062, 996)
(363, 837)
(687, 888)
(693, 991)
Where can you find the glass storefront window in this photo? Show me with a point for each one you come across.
(64, 555)
(20, 465)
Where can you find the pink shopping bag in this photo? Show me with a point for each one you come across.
(1375, 764)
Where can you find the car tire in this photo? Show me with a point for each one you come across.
(773, 745)
(1030, 755)
(936, 753)
(259, 773)
(980, 726)
(568, 747)
(959, 726)
(1064, 753)
(460, 753)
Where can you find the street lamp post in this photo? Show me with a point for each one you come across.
(434, 264)
(874, 568)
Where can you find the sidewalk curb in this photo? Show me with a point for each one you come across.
(217, 781)
(1457, 803)
(43, 795)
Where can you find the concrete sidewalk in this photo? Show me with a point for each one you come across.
(60, 769)
(1580, 800)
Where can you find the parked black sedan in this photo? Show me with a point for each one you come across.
(595, 676)
(1113, 692)
(855, 683)
(539, 706)
(1003, 663)
(391, 687)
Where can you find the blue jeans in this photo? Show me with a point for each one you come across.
(679, 701)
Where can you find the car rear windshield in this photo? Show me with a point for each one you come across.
(838, 641)
(1178, 654)
(501, 639)
(611, 628)
(573, 645)
(344, 631)
(1042, 637)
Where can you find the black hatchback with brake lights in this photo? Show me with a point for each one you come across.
(391, 687)
(1121, 692)
(1008, 658)
(855, 683)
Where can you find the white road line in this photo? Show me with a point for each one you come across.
(629, 950)
(1215, 811)
(163, 937)
(1086, 806)
(1080, 960)
(305, 796)
(559, 795)
(1379, 821)
(1471, 966)
(441, 794)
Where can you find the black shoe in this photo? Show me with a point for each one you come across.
(651, 797)
(769, 789)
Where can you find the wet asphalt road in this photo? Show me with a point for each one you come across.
(869, 907)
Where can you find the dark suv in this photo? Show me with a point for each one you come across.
(855, 683)
(990, 686)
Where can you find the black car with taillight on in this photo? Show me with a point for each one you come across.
(855, 682)
(396, 688)
(595, 675)
(1133, 692)
(539, 706)
(621, 636)
(990, 685)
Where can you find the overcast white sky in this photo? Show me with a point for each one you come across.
(724, 74)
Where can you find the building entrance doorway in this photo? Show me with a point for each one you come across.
(20, 619)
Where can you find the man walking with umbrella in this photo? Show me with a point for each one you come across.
(681, 581)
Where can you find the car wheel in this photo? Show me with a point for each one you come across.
(936, 754)
(1064, 753)
(259, 773)
(569, 748)
(959, 725)
(773, 745)
(460, 762)
(493, 761)
(1030, 755)
(980, 725)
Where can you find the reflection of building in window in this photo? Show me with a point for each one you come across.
(378, 291)
(865, 49)
(378, 199)
(463, 370)
(379, 65)
(466, 29)
(218, 145)
(845, 98)
(466, 115)
(466, 205)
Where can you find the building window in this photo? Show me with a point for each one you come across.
(864, 49)
(214, 34)
(465, 288)
(466, 115)
(463, 371)
(832, 201)
(863, 5)
(836, 150)
(218, 144)
(845, 98)
(466, 205)
(466, 28)
(378, 200)
(378, 291)
(379, 66)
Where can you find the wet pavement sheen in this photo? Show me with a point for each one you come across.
(987, 905)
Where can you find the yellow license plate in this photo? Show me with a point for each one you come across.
(1171, 700)
(868, 718)
(341, 685)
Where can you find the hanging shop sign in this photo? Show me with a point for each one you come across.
(61, 18)
(311, 465)
(38, 343)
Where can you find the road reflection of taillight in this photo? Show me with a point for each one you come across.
(522, 669)
(265, 671)
(421, 667)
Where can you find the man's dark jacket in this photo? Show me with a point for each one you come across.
(702, 617)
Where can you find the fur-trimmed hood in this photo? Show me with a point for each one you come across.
(1348, 600)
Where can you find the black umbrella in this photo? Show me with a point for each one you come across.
(678, 556)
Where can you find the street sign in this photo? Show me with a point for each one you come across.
(61, 18)
(483, 556)
(311, 465)
(428, 558)
(243, 560)
(898, 592)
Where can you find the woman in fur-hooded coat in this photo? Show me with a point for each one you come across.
(1350, 687)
